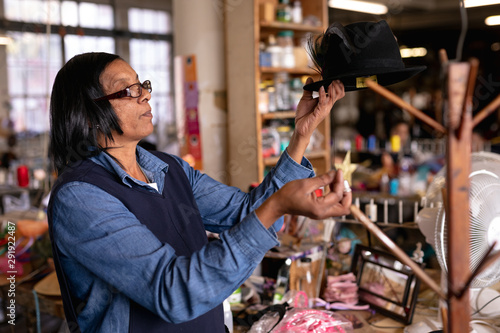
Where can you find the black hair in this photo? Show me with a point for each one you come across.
(75, 118)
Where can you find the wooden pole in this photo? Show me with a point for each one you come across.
(398, 252)
(495, 104)
(460, 78)
(406, 106)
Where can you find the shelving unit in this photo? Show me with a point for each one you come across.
(244, 31)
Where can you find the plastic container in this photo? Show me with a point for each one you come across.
(23, 177)
(297, 12)
(285, 42)
(264, 56)
(275, 51)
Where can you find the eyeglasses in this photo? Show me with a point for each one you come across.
(134, 91)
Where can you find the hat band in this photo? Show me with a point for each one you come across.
(357, 66)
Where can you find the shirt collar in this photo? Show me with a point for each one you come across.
(152, 165)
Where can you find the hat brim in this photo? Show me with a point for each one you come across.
(385, 77)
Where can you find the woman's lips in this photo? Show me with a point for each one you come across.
(148, 114)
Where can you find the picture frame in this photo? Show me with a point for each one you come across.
(384, 283)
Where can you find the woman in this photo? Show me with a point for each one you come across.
(128, 226)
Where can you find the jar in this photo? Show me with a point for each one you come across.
(275, 52)
(284, 11)
(285, 41)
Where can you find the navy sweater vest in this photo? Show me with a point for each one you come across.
(173, 217)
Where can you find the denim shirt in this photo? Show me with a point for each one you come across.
(109, 257)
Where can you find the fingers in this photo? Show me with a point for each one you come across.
(338, 200)
(336, 90)
(308, 94)
(338, 185)
(322, 180)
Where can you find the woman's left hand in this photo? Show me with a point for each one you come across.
(311, 111)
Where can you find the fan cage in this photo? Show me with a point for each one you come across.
(484, 215)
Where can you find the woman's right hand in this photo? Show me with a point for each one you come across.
(298, 197)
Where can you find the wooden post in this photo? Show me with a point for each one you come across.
(460, 87)
(460, 79)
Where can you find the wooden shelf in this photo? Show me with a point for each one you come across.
(290, 26)
(244, 30)
(408, 225)
(278, 115)
(271, 161)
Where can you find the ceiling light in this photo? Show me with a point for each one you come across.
(478, 3)
(359, 6)
(413, 52)
(492, 20)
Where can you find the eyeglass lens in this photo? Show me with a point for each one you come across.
(136, 89)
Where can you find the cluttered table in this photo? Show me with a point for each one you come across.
(35, 288)
(425, 316)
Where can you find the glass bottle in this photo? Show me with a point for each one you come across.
(284, 11)
(306, 282)
(297, 12)
(282, 282)
(281, 82)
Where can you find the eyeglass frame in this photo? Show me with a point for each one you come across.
(126, 92)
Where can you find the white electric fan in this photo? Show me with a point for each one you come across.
(484, 216)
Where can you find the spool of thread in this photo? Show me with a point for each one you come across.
(23, 178)
(372, 143)
(371, 211)
(395, 143)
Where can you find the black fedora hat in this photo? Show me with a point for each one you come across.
(357, 51)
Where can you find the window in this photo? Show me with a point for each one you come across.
(74, 44)
(32, 11)
(32, 64)
(149, 21)
(152, 59)
(45, 34)
(35, 57)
